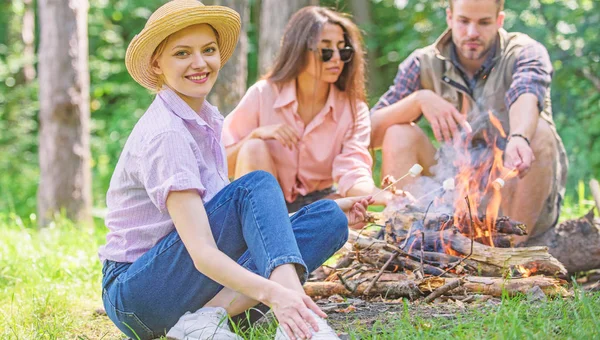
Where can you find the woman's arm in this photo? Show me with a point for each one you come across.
(189, 216)
(352, 166)
(243, 124)
(191, 221)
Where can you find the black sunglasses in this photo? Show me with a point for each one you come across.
(346, 54)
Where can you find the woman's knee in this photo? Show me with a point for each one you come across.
(253, 151)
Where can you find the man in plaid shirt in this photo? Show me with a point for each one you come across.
(477, 67)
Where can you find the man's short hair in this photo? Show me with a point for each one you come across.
(500, 4)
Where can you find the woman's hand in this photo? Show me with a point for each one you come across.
(355, 209)
(283, 133)
(291, 309)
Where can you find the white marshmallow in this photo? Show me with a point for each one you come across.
(448, 184)
(498, 183)
(415, 170)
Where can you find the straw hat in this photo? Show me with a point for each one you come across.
(170, 18)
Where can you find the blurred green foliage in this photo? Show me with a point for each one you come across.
(565, 27)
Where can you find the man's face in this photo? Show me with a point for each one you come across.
(474, 25)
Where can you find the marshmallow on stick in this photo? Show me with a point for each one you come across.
(498, 183)
(448, 185)
(414, 171)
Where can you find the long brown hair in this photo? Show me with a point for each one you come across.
(301, 37)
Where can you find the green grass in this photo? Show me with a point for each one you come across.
(50, 289)
(50, 282)
(514, 318)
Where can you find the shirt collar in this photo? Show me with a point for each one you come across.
(181, 109)
(287, 95)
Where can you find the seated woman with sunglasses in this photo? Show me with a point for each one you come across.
(307, 122)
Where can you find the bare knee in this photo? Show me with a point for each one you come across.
(254, 155)
(402, 137)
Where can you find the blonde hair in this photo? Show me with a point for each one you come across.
(155, 55)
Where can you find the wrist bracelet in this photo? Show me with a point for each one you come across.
(519, 135)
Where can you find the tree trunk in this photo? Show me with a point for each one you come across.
(28, 35)
(231, 85)
(274, 16)
(361, 10)
(65, 176)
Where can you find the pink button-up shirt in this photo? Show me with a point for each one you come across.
(171, 148)
(330, 149)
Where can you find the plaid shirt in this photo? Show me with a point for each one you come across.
(532, 74)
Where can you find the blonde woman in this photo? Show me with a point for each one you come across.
(185, 247)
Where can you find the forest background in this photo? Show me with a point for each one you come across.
(393, 29)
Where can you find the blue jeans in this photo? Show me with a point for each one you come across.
(250, 224)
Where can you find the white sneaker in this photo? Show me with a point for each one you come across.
(208, 323)
(325, 331)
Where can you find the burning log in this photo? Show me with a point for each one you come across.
(531, 257)
(487, 260)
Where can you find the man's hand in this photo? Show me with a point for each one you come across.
(283, 133)
(355, 209)
(518, 155)
(443, 116)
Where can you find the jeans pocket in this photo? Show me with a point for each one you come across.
(127, 322)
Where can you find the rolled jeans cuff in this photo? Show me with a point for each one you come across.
(301, 268)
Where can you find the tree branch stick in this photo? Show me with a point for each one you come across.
(383, 268)
(442, 290)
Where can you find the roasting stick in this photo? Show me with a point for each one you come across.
(414, 171)
(447, 185)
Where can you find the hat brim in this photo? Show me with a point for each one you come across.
(224, 20)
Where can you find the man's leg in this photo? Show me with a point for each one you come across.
(532, 199)
(404, 145)
(254, 155)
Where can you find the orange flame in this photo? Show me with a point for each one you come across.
(524, 272)
(475, 177)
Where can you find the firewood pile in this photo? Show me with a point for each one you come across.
(414, 255)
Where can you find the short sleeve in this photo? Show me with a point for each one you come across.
(243, 119)
(169, 163)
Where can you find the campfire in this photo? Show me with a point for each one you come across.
(450, 234)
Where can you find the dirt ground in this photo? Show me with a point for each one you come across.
(344, 314)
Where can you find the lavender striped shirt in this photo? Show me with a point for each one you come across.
(171, 148)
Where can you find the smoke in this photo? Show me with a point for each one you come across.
(474, 149)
